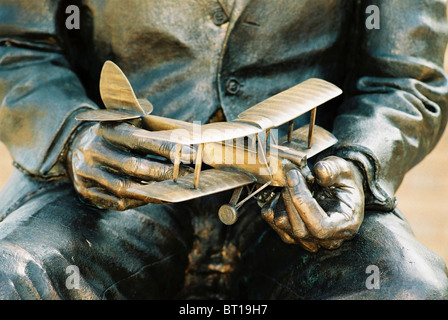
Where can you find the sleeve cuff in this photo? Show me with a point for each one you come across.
(53, 166)
(376, 198)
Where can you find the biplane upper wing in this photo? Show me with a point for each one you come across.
(212, 181)
(290, 104)
(270, 113)
(197, 134)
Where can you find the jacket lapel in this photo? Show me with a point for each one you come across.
(235, 13)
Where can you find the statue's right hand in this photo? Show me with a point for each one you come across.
(107, 160)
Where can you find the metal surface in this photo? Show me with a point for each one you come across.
(265, 164)
(194, 60)
(290, 103)
(212, 181)
(118, 94)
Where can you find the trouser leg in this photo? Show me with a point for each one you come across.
(383, 261)
(182, 251)
(133, 254)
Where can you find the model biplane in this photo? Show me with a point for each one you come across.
(258, 160)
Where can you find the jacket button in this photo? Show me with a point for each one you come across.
(233, 86)
(219, 17)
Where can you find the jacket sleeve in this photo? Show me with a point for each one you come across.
(396, 109)
(40, 95)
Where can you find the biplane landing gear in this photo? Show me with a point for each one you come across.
(228, 213)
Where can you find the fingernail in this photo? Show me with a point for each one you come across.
(322, 169)
(323, 173)
(292, 178)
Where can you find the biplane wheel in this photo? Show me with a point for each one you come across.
(228, 214)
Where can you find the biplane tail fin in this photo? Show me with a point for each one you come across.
(118, 98)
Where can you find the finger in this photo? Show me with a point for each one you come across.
(344, 181)
(114, 184)
(298, 227)
(134, 165)
(331, 244)
(328, 171)
(319, 223)
(267, 212)
(343, 192)
(126, 136)
(98, 198)
(277, 217)
(281, 221)
(312, 214)
(309, 245)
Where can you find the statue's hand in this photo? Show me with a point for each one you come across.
(327, 218)
(105, 161)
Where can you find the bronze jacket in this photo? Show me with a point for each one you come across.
(193, 57)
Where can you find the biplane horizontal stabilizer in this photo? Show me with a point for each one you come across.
(212, 181)
(107, 115)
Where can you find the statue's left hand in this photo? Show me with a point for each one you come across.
(107, 161)
(327, 218)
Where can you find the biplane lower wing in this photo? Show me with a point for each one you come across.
(212, 181)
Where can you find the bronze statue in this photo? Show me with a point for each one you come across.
(79, 197)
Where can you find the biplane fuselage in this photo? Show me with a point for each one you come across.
(261, 157)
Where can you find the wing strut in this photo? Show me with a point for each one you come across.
(177, 153)
(198, 165)
(290, 130)
(261, 149)
(311, 127)
(239, 204)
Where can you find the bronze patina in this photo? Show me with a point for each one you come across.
(113, 184)
(243, 164)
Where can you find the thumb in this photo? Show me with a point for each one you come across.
(328, 170)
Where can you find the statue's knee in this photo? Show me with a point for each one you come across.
(429, 281)
(22, 276)
(423, 277)
(408, 270)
